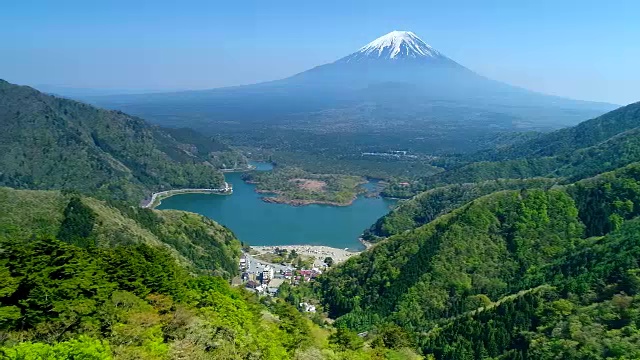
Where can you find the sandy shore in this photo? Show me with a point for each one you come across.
(319, 253)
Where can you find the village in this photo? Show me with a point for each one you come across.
(264, 269)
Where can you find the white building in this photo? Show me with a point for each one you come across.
(306, 307)
(267, 274)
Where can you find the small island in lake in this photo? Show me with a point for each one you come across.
(294, 186)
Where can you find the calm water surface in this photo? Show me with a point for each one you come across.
(258, 223)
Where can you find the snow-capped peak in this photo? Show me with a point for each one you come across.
(398, 44)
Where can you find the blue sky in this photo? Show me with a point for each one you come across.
(581, 49)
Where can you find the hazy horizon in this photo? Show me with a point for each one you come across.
(579, 50)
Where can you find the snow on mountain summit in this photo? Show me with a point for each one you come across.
(396, 45)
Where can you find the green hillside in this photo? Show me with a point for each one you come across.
(53, 143)
(591, 310)
(193, 240)
(60, 301)
(583, 135)
(494, 277)
(592, 147)
(426, 206)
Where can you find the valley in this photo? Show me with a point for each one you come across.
(388, 203)
(260, 223)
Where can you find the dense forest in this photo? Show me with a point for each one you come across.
(532, 273)
(61, 301)
(426, 206)
(53, 143)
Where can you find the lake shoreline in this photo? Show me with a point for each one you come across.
(156, 198)
(259, 223)
(243, 169)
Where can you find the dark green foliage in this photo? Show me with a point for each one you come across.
(143, 270)
(57, 283)
(329, 261)
(591, 312)
(77, 224)
(595, 146)
(481, 248)
(54, 143)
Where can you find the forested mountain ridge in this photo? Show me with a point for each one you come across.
(427, 206)
(486, 255)
(592, 147)
(479, 248)
(54, 143)
(197, 243)
(591, 310)
(586, 134)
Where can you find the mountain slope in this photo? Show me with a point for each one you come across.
(480, 248)
(594, 146)
(589, 310)
(506, 270)
(427, 206)
(53, 143)
(193, 240)
(402, 84)
(587, 133)
(59, 301)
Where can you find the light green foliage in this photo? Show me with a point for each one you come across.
(82, 348)
(60, 301)
(193, 240)
(426, 206)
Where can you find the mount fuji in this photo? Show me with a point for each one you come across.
(397, 81)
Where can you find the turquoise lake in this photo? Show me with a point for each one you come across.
(258, 223)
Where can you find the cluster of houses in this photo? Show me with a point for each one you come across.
(265, 279)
